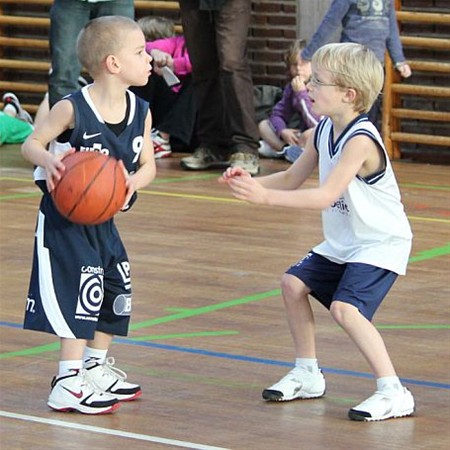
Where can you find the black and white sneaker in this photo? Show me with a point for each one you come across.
(75, 392)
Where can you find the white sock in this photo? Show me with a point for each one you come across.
(309, 364)
(94, 355)
(389, 385)
(66, 367)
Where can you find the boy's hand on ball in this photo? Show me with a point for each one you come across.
(54, 168)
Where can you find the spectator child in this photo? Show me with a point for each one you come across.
(278, 138)
(173, 107)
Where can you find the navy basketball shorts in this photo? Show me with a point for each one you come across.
(361, 285)
(80, 279)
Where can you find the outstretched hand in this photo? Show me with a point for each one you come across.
(243, 186)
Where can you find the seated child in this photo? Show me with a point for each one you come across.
(173, 107)
(278, 139)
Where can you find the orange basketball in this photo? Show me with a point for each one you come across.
(92, 188)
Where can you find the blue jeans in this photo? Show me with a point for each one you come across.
(67, 19)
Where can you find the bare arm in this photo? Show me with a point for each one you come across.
(360, 156)
(34, 149)
(147, 167)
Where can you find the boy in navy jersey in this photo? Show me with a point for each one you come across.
(80, 286)
(367, 234)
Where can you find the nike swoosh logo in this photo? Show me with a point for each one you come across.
(75, 394)
(90, 136)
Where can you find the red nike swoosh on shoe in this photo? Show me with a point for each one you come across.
(75, 394)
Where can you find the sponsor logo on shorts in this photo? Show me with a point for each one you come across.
(90, 296)
(124, 271)
(30, 307)
(122, 305)
(306, 257)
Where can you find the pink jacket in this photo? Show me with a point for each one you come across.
(176, 47)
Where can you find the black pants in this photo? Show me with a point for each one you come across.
(217, 46)
(172, 112)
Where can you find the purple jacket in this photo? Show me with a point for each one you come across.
(292, 102)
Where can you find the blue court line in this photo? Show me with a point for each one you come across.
(271, 362)
(250, 359)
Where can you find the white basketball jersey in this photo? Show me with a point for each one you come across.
(368, 223)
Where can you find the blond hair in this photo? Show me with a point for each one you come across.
(353, 66)
(156, 27)
(102, 37)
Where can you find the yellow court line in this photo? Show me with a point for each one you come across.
(229, 200)
(429, 219)
(193, 196)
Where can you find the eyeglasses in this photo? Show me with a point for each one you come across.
(313, 80)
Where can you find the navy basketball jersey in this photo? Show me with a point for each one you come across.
(92, 134)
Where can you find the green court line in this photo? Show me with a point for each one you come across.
(17, 196)
(177, 309)
(431, 253)
(205, 309)
(156, 337)
(32, 350)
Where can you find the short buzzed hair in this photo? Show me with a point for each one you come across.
(101, 37)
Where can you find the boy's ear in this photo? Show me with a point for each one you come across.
(350, 95)
(112, 64)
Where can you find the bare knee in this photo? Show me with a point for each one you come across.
(342, 312)
(293, 288)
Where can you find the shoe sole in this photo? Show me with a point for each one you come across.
(276, 155)
(276, 396)
(84, 410)
(361, 416)
(214, 165)
(126, 398)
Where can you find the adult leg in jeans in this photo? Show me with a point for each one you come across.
(67, 18)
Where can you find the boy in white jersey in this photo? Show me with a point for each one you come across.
(367, 234)
(80, 288)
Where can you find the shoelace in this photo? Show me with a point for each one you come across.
(86, 381)
(111, 371)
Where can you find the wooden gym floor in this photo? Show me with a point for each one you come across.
(208, 329)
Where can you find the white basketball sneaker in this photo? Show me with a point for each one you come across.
(382, 406)
(297, 384)
(111, 380)
(75, 392)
